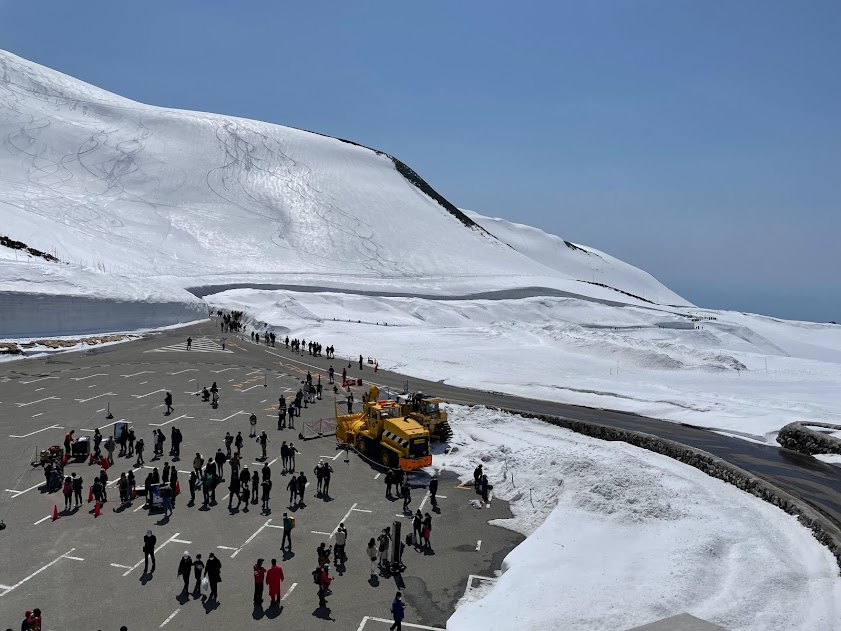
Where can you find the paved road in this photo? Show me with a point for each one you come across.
(83, 570)
(433, 585)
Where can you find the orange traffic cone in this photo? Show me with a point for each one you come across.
(178, 487)
(90, 494)
(90, 460)
(55, 512)
(97, 512)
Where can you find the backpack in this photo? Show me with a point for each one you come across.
(316, 576)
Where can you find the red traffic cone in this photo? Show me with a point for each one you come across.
(97, 512)
(103, 462)
(55, 512)
(178, 487)
(90, 460)
(64, 461)
(133, 492)
(90, 494)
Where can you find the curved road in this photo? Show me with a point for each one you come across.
(816, 483)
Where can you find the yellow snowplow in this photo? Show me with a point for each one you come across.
(381, 432)
(427, 411)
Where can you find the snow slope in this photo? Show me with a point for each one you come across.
(578, 261)
(188, 198)
(630, 537)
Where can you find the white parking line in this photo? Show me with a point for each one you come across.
(185, 370)
(142, 372)
(35, 432)
(171, 616)
(39, 389)
(220, 420)
(125, 567)
(23, 405)
(251, 388)
(140, 396)
(16, 493)
(172, 420)
(103, 426)
(478, 545)
(107, 394)
(143, 383)
(289, 591)
(251, 538)
(361, 510)
(99, 374)
(39, 570)
(344, 519)
(158, 549)
(26, 383)
(377, 477)
(216, 372)
(37, 415)
(333, 457)
(253, 372)
(43, 519)
(319, 532)
(225, 548)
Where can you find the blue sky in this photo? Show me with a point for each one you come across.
(699, 140)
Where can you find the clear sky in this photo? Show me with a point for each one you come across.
(698, 140)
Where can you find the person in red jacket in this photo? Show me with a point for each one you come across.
(274, 577)
(324, 580)
(259, 579)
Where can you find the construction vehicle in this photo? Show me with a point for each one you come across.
(380, 432)
(427, 411)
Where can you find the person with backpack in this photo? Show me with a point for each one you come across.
(67, 490)
(206, 486)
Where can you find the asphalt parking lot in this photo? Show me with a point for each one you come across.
(86, 572)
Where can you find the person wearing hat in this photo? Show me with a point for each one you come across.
(259, 579)
(185, 567)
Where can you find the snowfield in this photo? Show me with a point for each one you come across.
(742, 374)
(631, 537)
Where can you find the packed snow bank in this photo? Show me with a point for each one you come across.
(47, 299)
(630, 537)
(746, 375)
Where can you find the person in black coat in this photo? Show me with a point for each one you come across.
(185, 567)
(213, 572)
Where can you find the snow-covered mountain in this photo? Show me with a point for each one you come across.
(173, 199)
